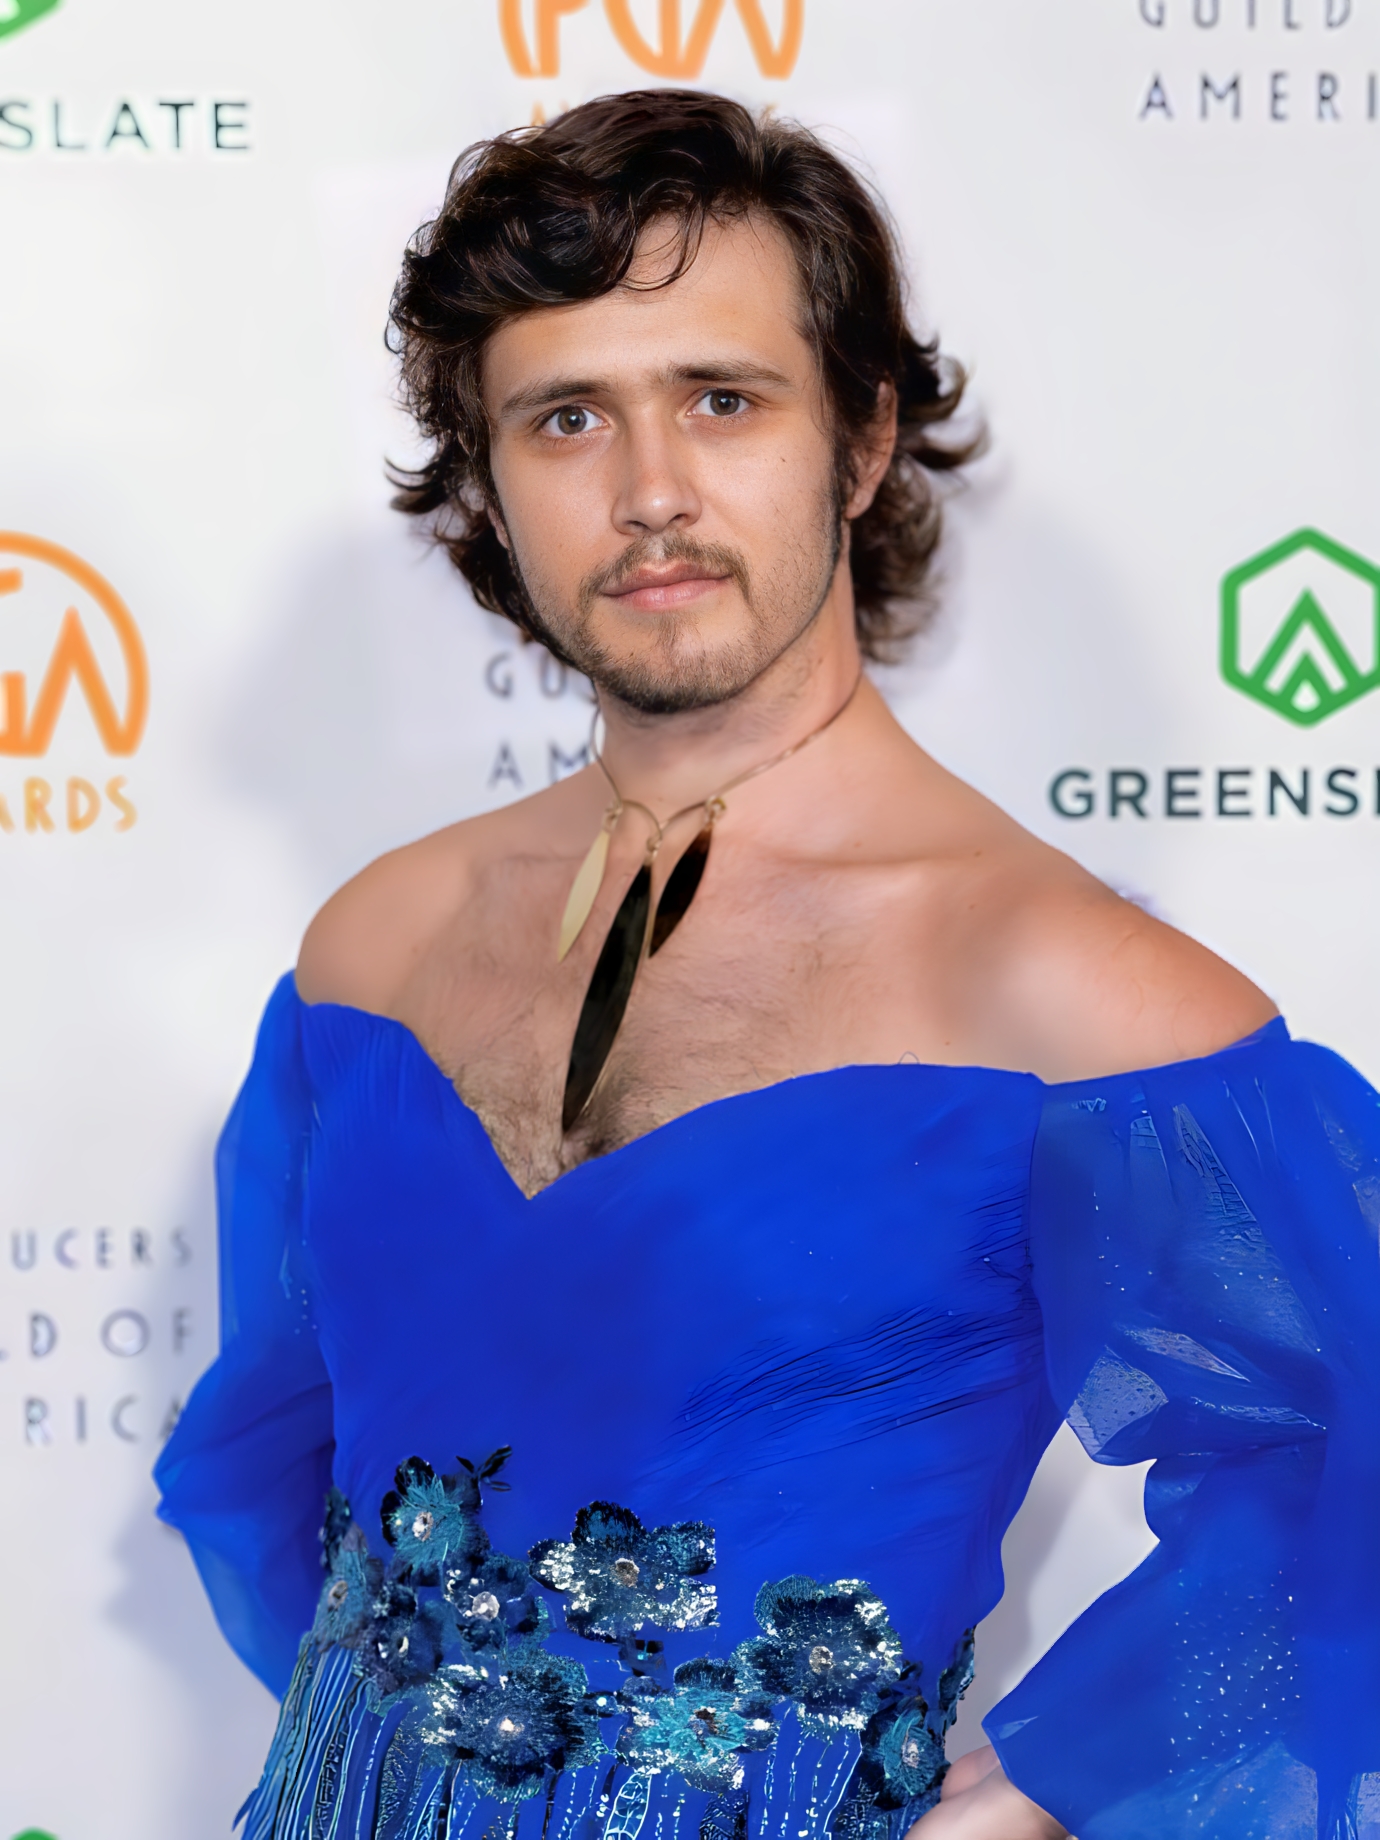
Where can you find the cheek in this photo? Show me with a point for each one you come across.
(775, 493)
(550, 511)
(515, 489)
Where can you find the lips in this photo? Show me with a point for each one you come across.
(651, 588)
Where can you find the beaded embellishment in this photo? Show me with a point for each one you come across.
(427, 1703)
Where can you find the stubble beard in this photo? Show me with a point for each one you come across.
(675, 674)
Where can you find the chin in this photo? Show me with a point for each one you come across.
(669, 672)
(659, 691)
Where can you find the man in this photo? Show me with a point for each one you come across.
(672, 488)
(682, 433)
(675, 490)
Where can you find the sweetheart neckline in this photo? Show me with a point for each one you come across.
(621, 1152)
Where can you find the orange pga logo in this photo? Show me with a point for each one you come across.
(679, 50)
(65, 637)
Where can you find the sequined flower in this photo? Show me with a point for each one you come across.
(506, 1720)
(402, 1643)
(431, 1522)
(702, 1728)
(828, 1647)
(618, 1576)
(495, 1602)
(906, 1756)
(903, 1763)
(346, 1605)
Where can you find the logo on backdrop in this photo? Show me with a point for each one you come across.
(116, 1374)
(1228, 62)
(1300, 634)
(126, 128)
(1301, 627)
(678, 48)
(73, 672)
(16, 14)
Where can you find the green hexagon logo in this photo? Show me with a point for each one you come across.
(16, 14)
(1301, 627)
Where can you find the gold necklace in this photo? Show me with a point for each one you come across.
(638, 931)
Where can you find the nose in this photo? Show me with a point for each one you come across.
(656, 488)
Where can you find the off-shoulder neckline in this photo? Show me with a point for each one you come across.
(1274, 1028)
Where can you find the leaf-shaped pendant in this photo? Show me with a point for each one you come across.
(682, 884)
(584, 891)
(601, 1014)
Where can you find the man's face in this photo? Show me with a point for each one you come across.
(664, 471)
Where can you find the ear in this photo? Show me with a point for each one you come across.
(495, 517)
(874, 454)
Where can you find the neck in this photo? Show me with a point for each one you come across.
(669, 761)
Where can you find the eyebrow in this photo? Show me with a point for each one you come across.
(551, 390)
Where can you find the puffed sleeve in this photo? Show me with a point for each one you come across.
(245, 1473)
(1205, 1250)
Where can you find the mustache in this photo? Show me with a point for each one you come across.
(713, 558)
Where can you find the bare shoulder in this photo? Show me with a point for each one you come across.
(364, 943)
(375, 936)
(1046, 969)
(1097, 986)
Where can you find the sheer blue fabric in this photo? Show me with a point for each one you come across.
(1204, 1247)
(837, 1321)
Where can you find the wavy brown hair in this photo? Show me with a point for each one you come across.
(548, 215)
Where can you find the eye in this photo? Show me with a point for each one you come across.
(722, 403)
(570, 420)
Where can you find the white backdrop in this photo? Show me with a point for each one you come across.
(1148, 224)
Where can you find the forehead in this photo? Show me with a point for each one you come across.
(739, 300)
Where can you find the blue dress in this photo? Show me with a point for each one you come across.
(665, 1503)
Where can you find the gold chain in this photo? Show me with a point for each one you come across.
(713, 807)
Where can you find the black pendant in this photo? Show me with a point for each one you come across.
(601, 1014)
(682, 884)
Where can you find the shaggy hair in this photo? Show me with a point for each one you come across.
(547, 215)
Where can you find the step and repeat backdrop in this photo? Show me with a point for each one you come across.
(228, 676)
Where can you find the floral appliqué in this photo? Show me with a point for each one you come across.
(617, 1576)
(346, 1607)
(828, 1647)
(458, 1632)
(903, 1763)
(495, 1602)
(431, 1521)
(714, 1716)
(510, 1721)
(402, 1643)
